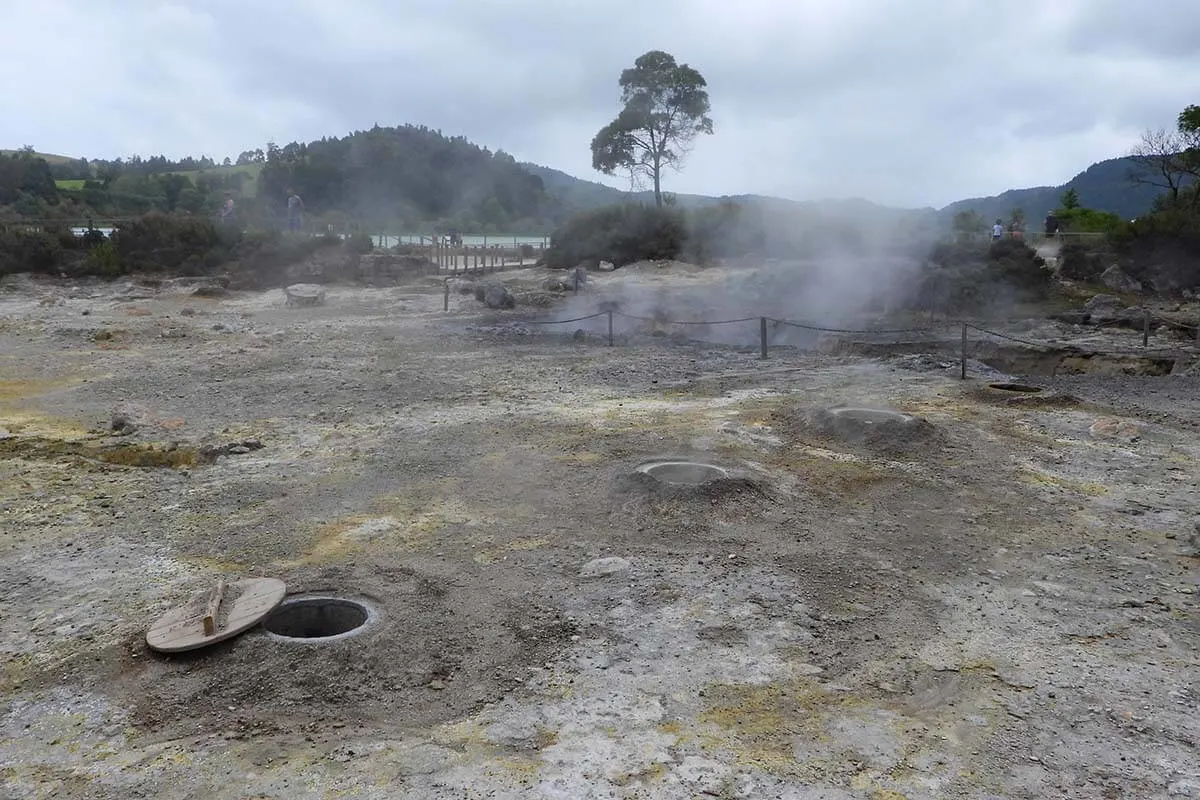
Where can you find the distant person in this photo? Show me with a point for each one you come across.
(997, 231)
(227, 209)
(1016, 229)
(1051, 225)
(295, 211)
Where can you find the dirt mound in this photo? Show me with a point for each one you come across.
(874, 430)
(420, 661)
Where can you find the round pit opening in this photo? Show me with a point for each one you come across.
(683, 473)
(870, 416)
(1022, 388)
(318, 619)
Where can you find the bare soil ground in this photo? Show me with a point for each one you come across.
(1004, 606)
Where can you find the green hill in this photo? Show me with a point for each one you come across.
(1104, 186)
(419, 174)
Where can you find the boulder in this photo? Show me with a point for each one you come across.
(1118, 280)
(606, 266)
(1107, 309)
(497, 295)
(461, 286)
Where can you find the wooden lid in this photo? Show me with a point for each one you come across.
(238, 607)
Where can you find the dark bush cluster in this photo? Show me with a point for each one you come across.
(1013, 263)
(1078, 262)
(163, 243)
(961, 277)
(621, 234)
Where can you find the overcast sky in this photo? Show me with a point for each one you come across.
(905, 102)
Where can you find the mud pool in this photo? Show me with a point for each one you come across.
(1003, 607)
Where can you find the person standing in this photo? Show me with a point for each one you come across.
(227, 209)
(997, 231)
(1051, 225)
(295, 211)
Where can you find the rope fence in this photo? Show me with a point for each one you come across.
(964, 327)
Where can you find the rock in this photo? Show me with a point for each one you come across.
(1072, 317)
(304, 294)
(497, 295)
(461, 286)
(1113, 428)
(1105, 309)
(553, 284)
(1103, 302)
(128, 418)
(1117, 279)
(604, 567)
(606, 266)
(210, 290)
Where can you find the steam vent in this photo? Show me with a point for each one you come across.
(683, 473)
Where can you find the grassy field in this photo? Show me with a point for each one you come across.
(249, 189)
(50, 157)
(70, 185)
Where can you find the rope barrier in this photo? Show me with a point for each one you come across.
(820, 329)
(937, 327)
(565, 321)
(684, 322)
(1174, 323)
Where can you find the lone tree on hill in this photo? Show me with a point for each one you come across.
(666, 108)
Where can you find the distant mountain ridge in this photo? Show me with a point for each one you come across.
(1104, 186)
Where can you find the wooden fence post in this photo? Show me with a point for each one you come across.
(762, 337)
(1145, 327)
(610, 328)
(963, 359)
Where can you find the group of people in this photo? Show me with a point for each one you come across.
(1016, 228)
(295, 211)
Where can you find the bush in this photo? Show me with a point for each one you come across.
(160, 242)
(359, 242)
(29, 251)
(1016, 264)
(621, 234)
(103, 259)
(1079, 263)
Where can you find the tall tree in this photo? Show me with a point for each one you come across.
(665, 107)
(1170, 159)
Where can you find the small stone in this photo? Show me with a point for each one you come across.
(437, 685)
(604, 567)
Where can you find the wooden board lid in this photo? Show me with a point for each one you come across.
(234, 609)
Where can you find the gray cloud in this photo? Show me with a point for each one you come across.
(916, 103)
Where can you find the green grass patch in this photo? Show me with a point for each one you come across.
(49, 157)
(73, 185)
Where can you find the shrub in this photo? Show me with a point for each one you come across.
(1079, 263)
(1013, 263)
(103, 259)
(359, 242)
(29, 251)
(157, 242)
(621, 234)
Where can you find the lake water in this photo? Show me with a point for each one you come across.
(393, 239)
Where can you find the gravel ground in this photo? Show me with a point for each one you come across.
(1006, 610)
